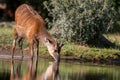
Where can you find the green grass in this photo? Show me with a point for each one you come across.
(70, 49)
(6, 35)
(90, 53)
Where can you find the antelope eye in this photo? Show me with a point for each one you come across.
(55, 50)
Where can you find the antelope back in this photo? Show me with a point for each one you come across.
(25, 15)
(27, 20)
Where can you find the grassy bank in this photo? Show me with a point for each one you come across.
(71, 50)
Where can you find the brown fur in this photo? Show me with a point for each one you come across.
(30, 25)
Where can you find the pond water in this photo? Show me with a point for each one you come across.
(43, 69)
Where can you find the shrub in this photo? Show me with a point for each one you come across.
(80, 20)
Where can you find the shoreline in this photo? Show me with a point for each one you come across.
(5, 53)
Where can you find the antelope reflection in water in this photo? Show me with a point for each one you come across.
(51, 73)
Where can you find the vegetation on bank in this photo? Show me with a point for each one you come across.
(70, 50)
(81, 21)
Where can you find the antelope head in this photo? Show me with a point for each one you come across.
(54, 48)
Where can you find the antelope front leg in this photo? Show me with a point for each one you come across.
(36, 48)
(14, 44)
(13, 47)
(31, 49)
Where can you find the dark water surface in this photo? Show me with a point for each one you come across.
(47, 70)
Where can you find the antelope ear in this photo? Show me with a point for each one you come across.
(47, 41)
(61, 44)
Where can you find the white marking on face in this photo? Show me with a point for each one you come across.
(51, 51)
(53, 54)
